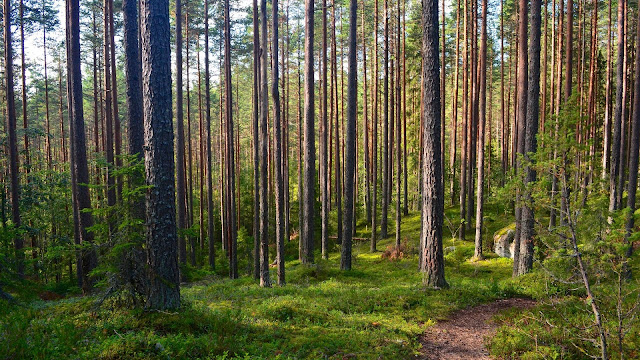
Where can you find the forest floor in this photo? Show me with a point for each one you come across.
(380, 309)
(463, 334)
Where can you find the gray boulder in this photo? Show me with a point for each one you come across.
(503, 243)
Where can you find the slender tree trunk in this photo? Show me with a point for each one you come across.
(633, 156)
(278, 146)
(385, 126)
(257, 105)
(79, 150)
(431, 252)
(454, 114)
(207, 90)
(483, 111)
(231, 223)
(365, 121)
(350, 154)
(523, 85)
(265, 280)
(309, 139)
(12, 137)
(533, 110)
(180, 170)
(374, 141)
(324, 163)
(606, 156)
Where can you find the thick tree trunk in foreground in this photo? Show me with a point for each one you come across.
(162, 237)
(431, 252)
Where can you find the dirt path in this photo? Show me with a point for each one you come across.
(462, 335)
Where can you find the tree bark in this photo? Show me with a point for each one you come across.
(306, 255)
(265, 280)
(533, 110)
(12, 137)
(277, 129)
(431, 252)
(483, 111)
(350, 154)
(164, 290)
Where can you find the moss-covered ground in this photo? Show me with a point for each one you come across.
(377, 310)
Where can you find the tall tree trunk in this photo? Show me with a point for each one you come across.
(533, 110)
(231, 195)
(431, 252)
(309, 198)
(324, 163)
(164, 290)
(80, 173)
(257, 103)
(633, 156)
(25, 121)
(374, 141)
(350, 154)
(606, 164)
(365, 121)
(385, 126)
(483, 112)
(207, 91)
(265, 281)
(277, 128)
(399, 127)
(338, 169)
(180, 171)
(12, 137)
(617, 116)
(522, 92)
(454, 114)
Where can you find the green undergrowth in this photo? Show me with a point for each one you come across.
(377, 310)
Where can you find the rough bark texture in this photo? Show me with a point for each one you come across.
(265, 281)
(277, 139)
(79, 149)
(523, 79)
(431, 252)
(350, 154)
(308, 196)
(162, 238)
(533, 110)
(482, 120)
(617, 115)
